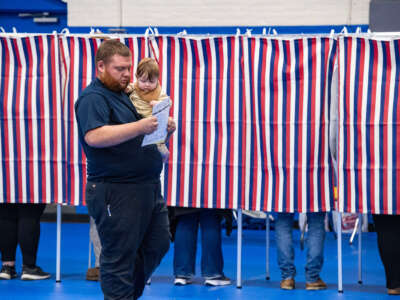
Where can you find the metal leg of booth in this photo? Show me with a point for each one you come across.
(267, 231)
(339, 245)
(58, 254)
(359, 229)
(239, 250)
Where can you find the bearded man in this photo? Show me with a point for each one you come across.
(123, 191)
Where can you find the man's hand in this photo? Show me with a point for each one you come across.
(148, 124)
(171, 126)
(111, 135)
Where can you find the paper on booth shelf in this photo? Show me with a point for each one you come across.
(161, 111)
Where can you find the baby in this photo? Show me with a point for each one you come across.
(146, 92)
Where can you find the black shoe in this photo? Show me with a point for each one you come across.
(8, 272)
(35, 273)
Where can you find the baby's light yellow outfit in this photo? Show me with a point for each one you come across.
(141, 100)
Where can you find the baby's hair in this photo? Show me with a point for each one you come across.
(148, 66)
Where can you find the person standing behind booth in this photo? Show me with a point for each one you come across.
(186, 223)
(93, 274)
(316, 227)
(315, 250)
(388, 231)
(20, 224)
(123, 191)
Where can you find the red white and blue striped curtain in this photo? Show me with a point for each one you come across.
(369, 128)
(204, 78)
(78, 70)
(252, 122)
(288, 84)
(31, 128)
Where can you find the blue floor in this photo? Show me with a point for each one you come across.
(75, 260)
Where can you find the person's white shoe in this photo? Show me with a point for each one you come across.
(182, 280)
(218, 281)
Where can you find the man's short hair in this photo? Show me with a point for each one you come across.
(148, 67)
(109, 48)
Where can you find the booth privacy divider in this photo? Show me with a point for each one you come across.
(369, 125)
(32, 128)
(253, 117)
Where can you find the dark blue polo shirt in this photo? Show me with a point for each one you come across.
(127, 162)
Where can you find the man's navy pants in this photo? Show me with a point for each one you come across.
(132, 221)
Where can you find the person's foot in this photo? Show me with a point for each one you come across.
(218, 281)
(93, 274)
(395, 291)
(180, 280)
(287, 284)
(34, 273)
(8, 272)
(316, 286)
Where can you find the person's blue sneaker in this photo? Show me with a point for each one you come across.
(218, 281)
(35, 273)
(8, 272)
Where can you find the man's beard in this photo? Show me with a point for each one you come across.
(111, 83)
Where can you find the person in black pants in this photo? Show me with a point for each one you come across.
(20, 224)
(123, 191)
(388, 231)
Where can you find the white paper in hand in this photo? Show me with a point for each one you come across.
(161, 111)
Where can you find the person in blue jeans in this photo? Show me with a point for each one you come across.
(315, 250)
(188, 221)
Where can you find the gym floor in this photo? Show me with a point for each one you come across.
(74, 263)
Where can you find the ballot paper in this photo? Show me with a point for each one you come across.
(161, 111)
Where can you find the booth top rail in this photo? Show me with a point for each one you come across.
(150, 32)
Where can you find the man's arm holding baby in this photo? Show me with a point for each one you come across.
(111, 135)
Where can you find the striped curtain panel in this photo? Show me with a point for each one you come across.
(78, 70)
(252, 119)
(369, 130)
(288, 85)
(31, 128)
(252, 122)
(204, 78)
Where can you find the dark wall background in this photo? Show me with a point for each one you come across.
(384, 15)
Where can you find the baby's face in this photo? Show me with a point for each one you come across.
(145, 84)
